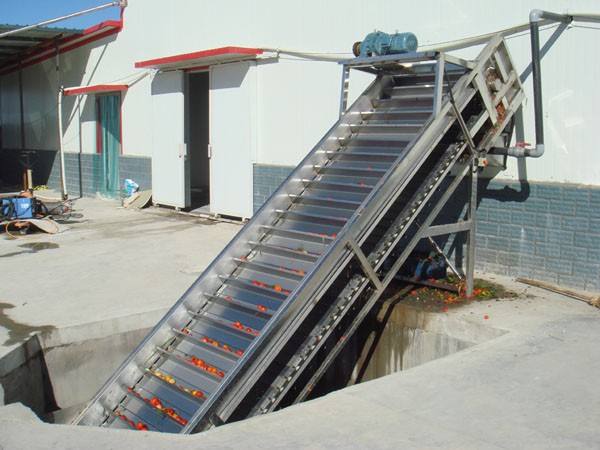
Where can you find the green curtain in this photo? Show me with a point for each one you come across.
(109, 106)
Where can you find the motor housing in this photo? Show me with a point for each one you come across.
(379, 43)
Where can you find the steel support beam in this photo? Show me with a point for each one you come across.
(375, 296)
(438, 230)
(438, 91)
(440, 252)
(471, 240)
(364, 263)
(459, 119)
(459, 61)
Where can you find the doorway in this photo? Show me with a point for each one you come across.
(108, 144)
(197, 138)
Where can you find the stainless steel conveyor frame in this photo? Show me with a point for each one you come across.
(262, 323)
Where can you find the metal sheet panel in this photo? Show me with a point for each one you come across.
(232, 137)
(169, 152)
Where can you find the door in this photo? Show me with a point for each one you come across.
(108, 109)
(197, 127)
(232, 137)
(169, 152)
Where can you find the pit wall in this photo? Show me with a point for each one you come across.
(545, 231)
(397, 335)
(56, 372)
(407, 336)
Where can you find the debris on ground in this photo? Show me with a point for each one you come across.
(449, 292)
(138, 200)
(134, 198)
(130, 187)
(22, 213)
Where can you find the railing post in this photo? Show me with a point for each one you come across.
(344, 89)
(439, 83)
(471, 240)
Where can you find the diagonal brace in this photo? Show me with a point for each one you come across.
(459, 118)
(364, 263)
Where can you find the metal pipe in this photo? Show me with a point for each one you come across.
(542, 17)
(537, 15)
(121, 3)
(63, 182)
(538, 150)
(585, 17)
(457, 44)
(536, 18)
(316, 56)
(21, 108)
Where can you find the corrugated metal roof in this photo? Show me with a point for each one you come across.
(39, 44)
(13, 47)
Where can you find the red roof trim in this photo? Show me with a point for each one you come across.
(198, 55)
(46, 50)
(96, 88)
(90, 39)
(102, 25)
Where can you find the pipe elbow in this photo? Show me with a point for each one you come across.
(536, 151)
(519, 151)
(536, 15)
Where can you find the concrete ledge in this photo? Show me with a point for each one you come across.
(17, 412)
(100, 329)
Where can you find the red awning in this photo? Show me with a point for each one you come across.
(94, 89)
(203, 58)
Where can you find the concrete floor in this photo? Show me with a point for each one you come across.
(110, 263)
(534, 385)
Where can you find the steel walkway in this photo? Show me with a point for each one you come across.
(264, 321)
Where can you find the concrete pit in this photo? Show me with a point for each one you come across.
(55, 372)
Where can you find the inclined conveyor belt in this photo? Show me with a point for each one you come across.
(253, 333)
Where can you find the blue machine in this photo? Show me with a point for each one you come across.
(430, 268)
(17, 208)
(379, 43)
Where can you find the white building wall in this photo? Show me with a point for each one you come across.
(298, 101)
